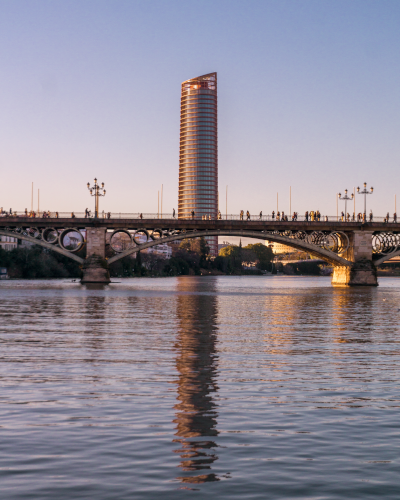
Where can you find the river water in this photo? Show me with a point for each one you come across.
(180, 388)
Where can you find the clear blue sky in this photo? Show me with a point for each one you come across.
(309, 96)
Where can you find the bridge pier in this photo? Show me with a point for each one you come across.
(95, 267)
(362, 272)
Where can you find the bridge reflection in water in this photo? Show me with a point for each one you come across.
(196, 362)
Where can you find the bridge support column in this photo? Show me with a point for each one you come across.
(363, 271)
(95, 267)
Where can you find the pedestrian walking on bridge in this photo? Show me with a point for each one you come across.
(248, 215)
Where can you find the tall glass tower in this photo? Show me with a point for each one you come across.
(198, 154)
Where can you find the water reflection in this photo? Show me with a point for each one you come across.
(353, 315)
(196, 362)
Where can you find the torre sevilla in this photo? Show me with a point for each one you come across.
(198, 154)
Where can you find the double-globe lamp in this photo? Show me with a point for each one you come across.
(95, 191)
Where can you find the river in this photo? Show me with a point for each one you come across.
(178, 388)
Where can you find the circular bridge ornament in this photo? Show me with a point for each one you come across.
(385, 243)
(158, 232)
(34, 232)
(121, 240)
(76, 241)
(50, 235)
(336, 241)
(138, 239)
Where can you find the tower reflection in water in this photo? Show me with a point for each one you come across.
(196, 362)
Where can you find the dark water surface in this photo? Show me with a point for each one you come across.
(175, 388)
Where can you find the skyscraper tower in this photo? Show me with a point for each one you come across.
(198, 154)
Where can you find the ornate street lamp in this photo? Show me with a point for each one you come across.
(95, 191)
(365, 192)
(345, 198)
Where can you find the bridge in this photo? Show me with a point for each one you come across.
(354, 249)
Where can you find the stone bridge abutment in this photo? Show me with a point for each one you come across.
(95, 267)
(362, 271)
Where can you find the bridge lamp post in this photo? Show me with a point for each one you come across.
(95, 191)
(345, 198)
(365, 192)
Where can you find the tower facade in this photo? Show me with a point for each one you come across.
(198, 154)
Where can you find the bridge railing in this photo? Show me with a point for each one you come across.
(156, 216)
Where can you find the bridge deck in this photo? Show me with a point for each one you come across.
(223, 225)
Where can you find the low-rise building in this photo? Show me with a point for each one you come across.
(278, 248)
(163, 250)
(8, 242)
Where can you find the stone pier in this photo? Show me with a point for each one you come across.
(363, 271)
(95, 267)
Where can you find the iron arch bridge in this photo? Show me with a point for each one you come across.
(329, 245)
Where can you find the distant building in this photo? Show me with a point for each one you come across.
(163, 250)
(280, 247)
(8, 242)
(198, 153)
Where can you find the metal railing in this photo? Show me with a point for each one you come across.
(155, 216)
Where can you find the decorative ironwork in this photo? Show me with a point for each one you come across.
(335, 241)
(385, 243)
(69, 239)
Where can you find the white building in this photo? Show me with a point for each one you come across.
(280, 247)
(163, 250)
(8, 242)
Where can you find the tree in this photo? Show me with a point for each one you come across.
(204, 251)
(185, 245)
(234, 255)
(264, 254)
(139, 270)
(38, 262)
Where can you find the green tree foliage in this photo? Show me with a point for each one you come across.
(176, 266)
(186, 245)
(204, 251)
(264, 255)
(138, 264)
(311, 268)
(233, 254)
(123, 268)
(38, 262)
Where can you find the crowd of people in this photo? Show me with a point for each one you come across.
(312, 216)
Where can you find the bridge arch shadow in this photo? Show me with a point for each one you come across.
(310, 248)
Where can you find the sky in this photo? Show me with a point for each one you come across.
(308, 97)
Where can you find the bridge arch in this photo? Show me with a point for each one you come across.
(42, 243)
(310, 248)
(385, 258)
